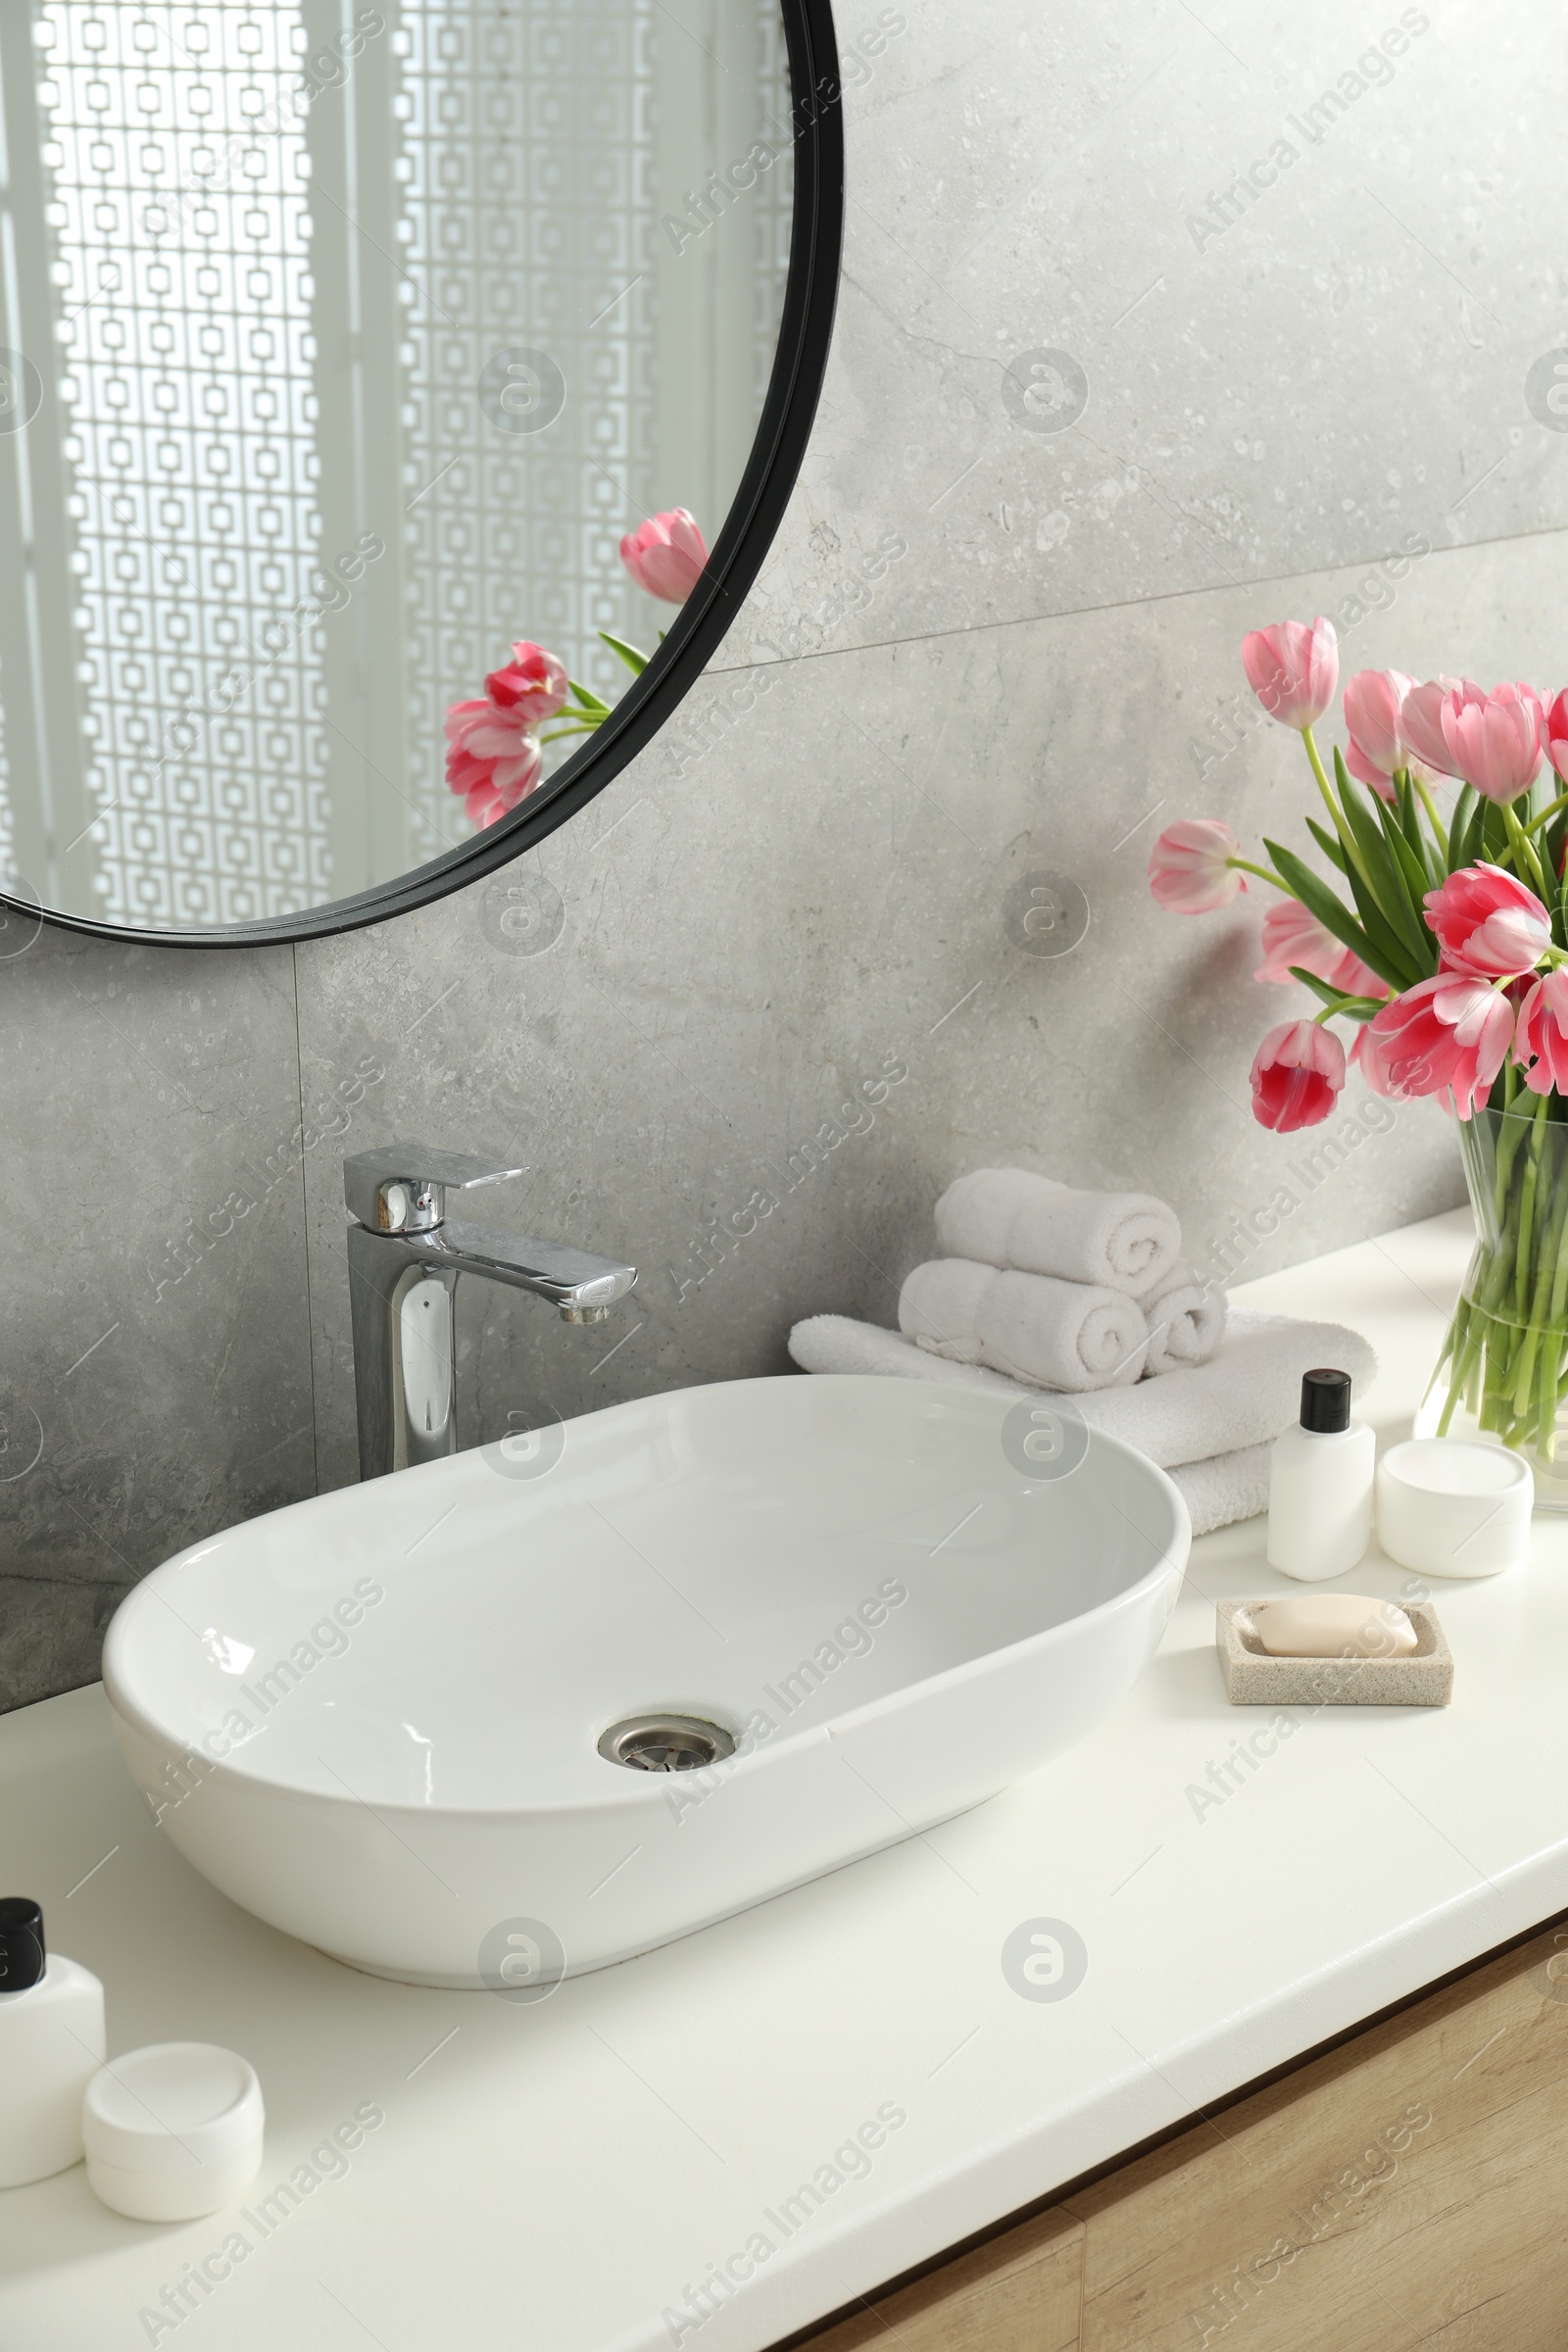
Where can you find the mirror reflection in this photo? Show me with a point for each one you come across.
(376, 379)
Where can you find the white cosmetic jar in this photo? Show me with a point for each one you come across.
(1449, 1506)
(172, 2132)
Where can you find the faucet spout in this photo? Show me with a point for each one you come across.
(405, 1256)
(581, 1286)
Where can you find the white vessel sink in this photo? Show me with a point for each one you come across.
(374, 1718)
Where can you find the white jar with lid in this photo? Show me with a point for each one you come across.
(1451, 1507)
(172, 2132)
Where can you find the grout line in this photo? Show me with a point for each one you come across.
(1121, 604)
(305, 1226)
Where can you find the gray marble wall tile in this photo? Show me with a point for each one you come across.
(745, 1021)
(1306, 371)
(156, 1368)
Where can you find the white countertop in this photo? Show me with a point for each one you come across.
(561, 2175)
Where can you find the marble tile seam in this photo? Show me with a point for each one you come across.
(304, 1235)
(1117, 603)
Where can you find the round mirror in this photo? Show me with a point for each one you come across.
(398, 399)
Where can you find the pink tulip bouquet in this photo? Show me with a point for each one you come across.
(1441, 940)
(495, 749)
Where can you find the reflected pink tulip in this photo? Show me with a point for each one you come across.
(492, 759)
(532, 684)
(665, 556)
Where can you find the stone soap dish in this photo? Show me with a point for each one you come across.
(1423, 1677)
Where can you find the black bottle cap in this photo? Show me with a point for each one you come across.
(21, 1954)
(1325, 1401)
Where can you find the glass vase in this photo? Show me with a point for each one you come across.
(1502, 1375)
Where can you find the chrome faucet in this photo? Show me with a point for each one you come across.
(405, 1257)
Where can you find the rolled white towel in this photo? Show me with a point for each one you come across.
(939, 1307)
(1186, 1312)
(1068, 1335)
(1007, 1217)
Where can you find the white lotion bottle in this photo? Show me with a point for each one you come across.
(51, 2045)
(1320, 1484)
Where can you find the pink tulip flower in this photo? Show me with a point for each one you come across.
(1447, 1032)
(1367, 1056)
(1292, 669)
(1496, 742)
(1187, 872)
(1376, 778)
(1296, 1076)
(1292, 936)
(665, 557)
(1488, 923)
(1372, 702)
(1556, 733)
(492, 759)
(1421, 719)
(1540, 1034)
(532, 686)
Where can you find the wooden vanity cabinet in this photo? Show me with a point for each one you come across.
(1408, 2187)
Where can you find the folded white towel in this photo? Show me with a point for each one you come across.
(1227, 1487)
(1007, 1217)
(1186, 1311)
(1065, 1336)
(1248, 1391)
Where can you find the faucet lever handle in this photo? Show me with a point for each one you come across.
(402, 1188)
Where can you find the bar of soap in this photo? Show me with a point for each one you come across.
(1333, 1625)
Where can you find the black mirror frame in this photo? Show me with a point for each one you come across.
(800, 364)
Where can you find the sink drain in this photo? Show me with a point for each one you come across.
(665, 1744)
